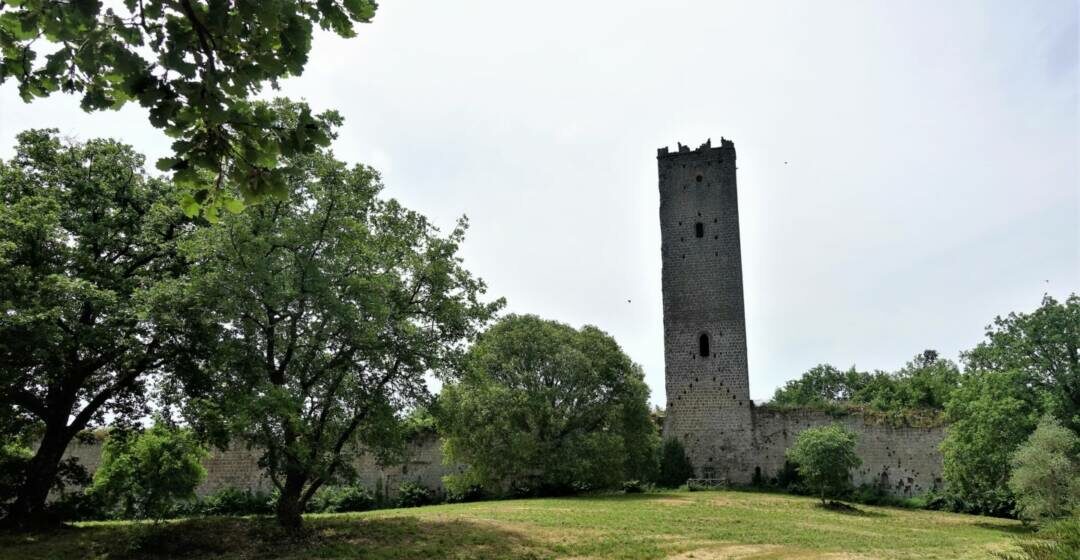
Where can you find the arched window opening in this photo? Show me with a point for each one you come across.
(699, 229)
(703, 346)
(699, 177)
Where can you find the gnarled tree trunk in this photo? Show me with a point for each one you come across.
(30, 509)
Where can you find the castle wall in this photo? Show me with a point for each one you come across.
(905, 460)
(238, 467)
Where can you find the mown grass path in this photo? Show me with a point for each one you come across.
(700, 525)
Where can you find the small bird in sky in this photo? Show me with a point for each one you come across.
(627, 301)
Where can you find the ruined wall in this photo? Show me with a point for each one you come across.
(708, 393)
(905, 460)
(238, 467)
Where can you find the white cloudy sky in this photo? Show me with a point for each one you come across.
(931, 148)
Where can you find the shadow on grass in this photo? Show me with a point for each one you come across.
(1006, 526)
(847, 509)
(325, 537)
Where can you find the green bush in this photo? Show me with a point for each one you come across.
(341, 499)
(635, 487)
(146, 473)
(825, 457)
(1045, 478)
(234, 501)
(1057, 540)
(82, 506)
(788, 479)
(464, 492)
(876, 495)
(675, 468)
(412, 494)
(13, 460)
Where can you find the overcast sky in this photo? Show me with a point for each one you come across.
(907, 170)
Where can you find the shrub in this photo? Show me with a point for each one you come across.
(146, 473)
(1057, 540)
(789, 479)
(412, 494)
(82, 506)
(234, 501)
(634, 487)
(825, 457)
(877, 495)
(675, 467)
(13, 460)
(1045, 477)
(341, 499)
(694, 485)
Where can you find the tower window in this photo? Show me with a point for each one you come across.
(699, 229)
(699, 177)
(703, 345)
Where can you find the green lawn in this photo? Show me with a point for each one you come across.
(700, 525)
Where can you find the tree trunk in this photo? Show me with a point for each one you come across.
(289, 507)
(29, 510)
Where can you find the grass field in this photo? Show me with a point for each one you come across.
(699, 525)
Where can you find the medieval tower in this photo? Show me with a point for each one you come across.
(708, 393)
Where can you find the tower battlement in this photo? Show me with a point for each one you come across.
(725, 144)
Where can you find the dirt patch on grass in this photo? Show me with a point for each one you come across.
(672, 501)
(763, 552)
(748, 500)
(727, 552)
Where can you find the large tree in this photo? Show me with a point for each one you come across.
(195, 64)
(990, 414)
(1027, 366)
(87, 249)
(331, 305)
(543, 407)
(1044, 347)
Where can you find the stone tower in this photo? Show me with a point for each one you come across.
(708, 394)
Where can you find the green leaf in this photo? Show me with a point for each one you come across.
(189, 206)
(233, 205)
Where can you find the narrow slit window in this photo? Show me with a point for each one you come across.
(703, 345)
(699, 229)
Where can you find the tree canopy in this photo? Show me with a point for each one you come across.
(87, 253)
(196, 65)
(925, 382)
(543, 407)
(1043, 346)
(330, 307)
(825, 456)
(1026, 367)
(1046, 472)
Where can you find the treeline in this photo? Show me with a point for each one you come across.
(1024, 375)
(305, 326)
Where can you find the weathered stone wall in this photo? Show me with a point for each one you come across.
(905, 460)
(238, 467)
(708, 390)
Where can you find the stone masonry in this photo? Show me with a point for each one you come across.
(708, 389)
(238, 467)
(707, 378)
